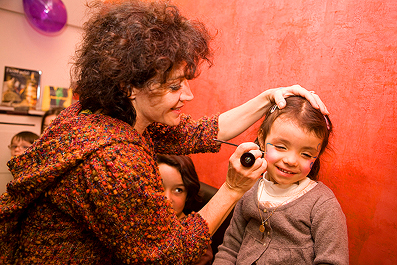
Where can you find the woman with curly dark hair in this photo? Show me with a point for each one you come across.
(89, 190)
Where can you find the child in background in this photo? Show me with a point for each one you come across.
(182, 186)
(288, 217)
(48, 116)
(22, 141)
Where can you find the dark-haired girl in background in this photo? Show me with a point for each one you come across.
(182, 185)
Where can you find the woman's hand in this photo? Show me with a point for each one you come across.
(235, 121)
(278, 96)
(239, 178)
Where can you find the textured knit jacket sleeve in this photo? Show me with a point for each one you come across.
(129, 213)
(188, 137)
(96, 192)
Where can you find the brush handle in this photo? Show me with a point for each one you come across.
(247, 159)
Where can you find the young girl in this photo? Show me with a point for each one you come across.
(288, 217)
(49, 116)
(182, 186)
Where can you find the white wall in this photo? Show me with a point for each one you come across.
(24, 47)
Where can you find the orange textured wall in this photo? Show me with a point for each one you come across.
(344, 50)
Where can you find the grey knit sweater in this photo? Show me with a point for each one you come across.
(309, 230)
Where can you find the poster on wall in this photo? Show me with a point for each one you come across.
(21, 88)
(56, 97)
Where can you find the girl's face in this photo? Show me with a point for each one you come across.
(290, 152)
(19, 146)
(163, 107)
(174, 189)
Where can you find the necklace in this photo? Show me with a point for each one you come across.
(262, 227)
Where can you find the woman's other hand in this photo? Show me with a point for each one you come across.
(278, 96)
(239, 180)
(235, 121)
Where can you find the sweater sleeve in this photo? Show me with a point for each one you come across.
(227, 252)
(329, 232)
(130, 215)
(188, 137)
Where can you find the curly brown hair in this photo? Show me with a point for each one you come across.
(129, 43)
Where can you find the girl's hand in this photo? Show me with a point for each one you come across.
(278, 96)
(239, 178)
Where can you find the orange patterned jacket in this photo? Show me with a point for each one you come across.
(89, 192)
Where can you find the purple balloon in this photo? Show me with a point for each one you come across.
(47, 16)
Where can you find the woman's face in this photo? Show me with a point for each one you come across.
(290, 152)
(175, 190)
(164, 104)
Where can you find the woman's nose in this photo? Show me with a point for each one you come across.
(186, 94)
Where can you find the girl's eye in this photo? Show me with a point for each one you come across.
(179, 190)
(279, 147)
(307, 155)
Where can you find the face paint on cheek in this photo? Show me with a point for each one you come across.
(307, 166)
(319, 147)
(270, 153)
(267, 146)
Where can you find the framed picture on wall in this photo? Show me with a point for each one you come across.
(54, 96)
(21, 88)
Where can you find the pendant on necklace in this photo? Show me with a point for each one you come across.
(262, 228)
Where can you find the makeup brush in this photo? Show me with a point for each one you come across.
(247, 159)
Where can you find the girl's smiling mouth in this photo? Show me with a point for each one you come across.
(285, 171)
